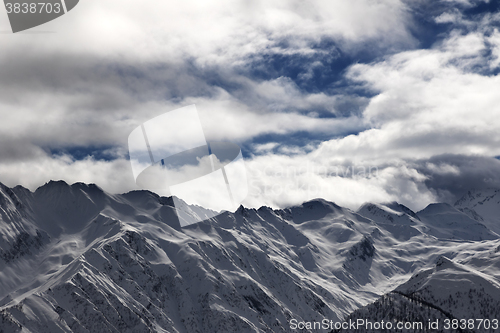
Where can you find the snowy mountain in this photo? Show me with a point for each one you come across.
(483, 206)
(74, 258)
(455, 297)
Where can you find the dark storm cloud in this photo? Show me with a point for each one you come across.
(451, 176)
(105, 84)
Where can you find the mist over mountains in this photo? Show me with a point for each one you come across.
(74, 258)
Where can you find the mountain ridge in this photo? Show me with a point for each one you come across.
(120, 262)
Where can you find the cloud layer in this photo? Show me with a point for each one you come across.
(281, 78)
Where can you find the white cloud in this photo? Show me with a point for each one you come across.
(468, 3)
(430, 103)
(115, 64)
(218, 31)
(443, 168)
(113, 176)
(454, 16)
(280, 181)
(266, 147)
(494, 39)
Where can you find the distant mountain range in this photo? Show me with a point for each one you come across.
(74, 258)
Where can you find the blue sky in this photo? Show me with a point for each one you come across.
(352, 101)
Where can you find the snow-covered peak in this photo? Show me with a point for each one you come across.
(483, 206)
(478, 197)
(392, 213)
(96, 261)
(446, 222)
(396, 206)
(437, 208)
(312, 210)
(17, 224)
(448, 290)
(144, 199)
(451, 276)
(52, 186)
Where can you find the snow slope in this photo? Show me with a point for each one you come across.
(78, 259)
(483, 206)
(448, 291)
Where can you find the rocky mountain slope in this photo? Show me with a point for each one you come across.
(74, 258)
